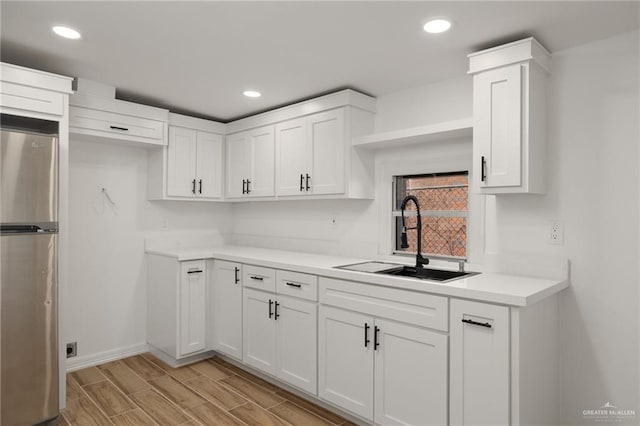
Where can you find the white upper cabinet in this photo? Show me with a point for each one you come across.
(194, 162)
(509, 123)
(190, 167)
(251, 163)
(310, 155)
(313, 155)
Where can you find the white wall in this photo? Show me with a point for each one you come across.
(106, 295)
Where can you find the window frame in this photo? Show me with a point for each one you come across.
(395, 213)
(435, 158)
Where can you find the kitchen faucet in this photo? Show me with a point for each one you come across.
(420, 261)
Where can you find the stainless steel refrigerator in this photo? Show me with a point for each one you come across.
(29, 271)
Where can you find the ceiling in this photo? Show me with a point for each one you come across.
(198, 57)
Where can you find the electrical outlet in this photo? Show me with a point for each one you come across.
(556, 232)
(72, 349)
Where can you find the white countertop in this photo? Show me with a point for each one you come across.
(486, 287)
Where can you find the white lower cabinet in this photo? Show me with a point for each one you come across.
(227, 308)
(193, 307)
(410, 375)
(381, 370)
(480, 365)
(177, 297)
(280, 337)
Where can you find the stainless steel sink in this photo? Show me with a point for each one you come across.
(374, 267)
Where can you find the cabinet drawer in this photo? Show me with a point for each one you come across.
(119, 126)
(259, 278)
(296, 284)
(31, 98)
(421, 309)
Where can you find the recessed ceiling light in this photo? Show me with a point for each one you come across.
(437, 25)
(66, 32)
(252, 94)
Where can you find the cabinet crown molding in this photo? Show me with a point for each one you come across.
(35, 78)
(525, 50)
(342, 98)
(200, 124)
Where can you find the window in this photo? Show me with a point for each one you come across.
(443, 206)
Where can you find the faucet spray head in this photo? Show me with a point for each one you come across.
(403, 239)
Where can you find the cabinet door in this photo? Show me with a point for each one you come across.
(410, 375)
(181, 162)
(193, 307)
(497, 126)
(292, 157)
(479, 363)
(227, 308)
(263, 158)
(237, 162)
(209, 165)
(296, 342)
(345, 355)
(326, 134)
(259, 330)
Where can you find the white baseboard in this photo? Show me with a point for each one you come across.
(78, 363)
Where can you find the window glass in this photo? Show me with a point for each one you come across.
(443, 201)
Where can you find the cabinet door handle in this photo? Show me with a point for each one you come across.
(472, 322)
(483, 165)
(193, 186)
(124, 129)
(307, 184)
(366, 334)
(270, 305)
(194, 271)
(236, 271)
(301, 182)
(248, 187)
(244, 182)
(253, 277)
(294, 285)
(376, 343)
(200, 188)
(276, 311)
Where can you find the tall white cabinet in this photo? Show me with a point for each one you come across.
(509, 117)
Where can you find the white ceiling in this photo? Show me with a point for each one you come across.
(198, 57)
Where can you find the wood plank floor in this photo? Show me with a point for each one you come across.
(142, 390)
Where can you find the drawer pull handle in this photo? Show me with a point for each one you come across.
(483, 165)
(194, 271)
(276, 311)
(253, 277)
(376, 342)
(200, 190)
(366, 334)
(124, 129)
(301, 182)
(270, 305)
(237, 278)
(307, 182)
(294, 285)
(193, 186)
(472, 322)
